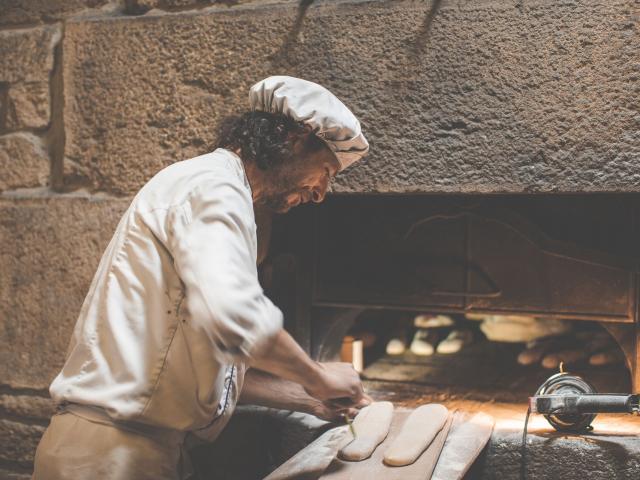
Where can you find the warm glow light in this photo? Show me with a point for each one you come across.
(536, 423)
(609, 425)
(509, 417)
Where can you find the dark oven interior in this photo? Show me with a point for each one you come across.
(371, 263)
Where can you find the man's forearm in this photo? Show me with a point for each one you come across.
(286, 359)
(261, 388)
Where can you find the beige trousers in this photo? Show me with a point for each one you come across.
(76, 448)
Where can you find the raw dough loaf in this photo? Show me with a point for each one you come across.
(424, 342)
(417, 433)
(371, 427)
(455, 341)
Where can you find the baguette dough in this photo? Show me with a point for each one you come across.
(371, 427)
(417, 433)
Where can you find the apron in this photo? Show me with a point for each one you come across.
(84, 443)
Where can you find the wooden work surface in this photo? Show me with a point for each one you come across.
(373, 468)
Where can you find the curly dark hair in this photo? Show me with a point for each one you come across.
(264, 138)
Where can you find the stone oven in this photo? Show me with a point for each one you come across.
(503, 176)
(558, 256)
(383, 258)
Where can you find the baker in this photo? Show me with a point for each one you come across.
(176, 329)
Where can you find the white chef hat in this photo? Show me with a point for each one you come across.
(316, 106)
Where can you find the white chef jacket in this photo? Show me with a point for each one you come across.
(175, 307)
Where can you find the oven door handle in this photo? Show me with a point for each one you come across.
(492, 291)
(464, 293)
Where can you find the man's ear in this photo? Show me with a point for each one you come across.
(304, 133)
(299, 139)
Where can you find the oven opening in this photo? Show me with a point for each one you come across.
(411, 358)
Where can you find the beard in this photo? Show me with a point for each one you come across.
(282, 185)
(278, 202)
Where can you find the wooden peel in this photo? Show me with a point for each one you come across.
(313, 460)
(468, 436)
(374, 468)
(320, 456)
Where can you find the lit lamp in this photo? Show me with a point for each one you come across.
(353, 352)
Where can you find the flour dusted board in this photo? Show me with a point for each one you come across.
(311, 462)
(468, 436)
(373, 468)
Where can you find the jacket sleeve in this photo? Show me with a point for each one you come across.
(214, 250)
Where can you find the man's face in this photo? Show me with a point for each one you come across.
(306, 179)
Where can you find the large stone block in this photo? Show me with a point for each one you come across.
(22, 420)
(7, 475)
(490, 96)
(27, 55)
(141, 6)
(49, 250)
(23, 161)
(28, 106)
(4, 101)
(143, 92)
(555, 455)
(17, 12)
(137, 7)
(18, 441)
(31, 407)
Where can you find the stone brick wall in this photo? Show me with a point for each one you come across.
(455, 96)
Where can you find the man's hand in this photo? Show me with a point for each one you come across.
(333, 413)
(262, 388)
(337, 384)
(284, 358)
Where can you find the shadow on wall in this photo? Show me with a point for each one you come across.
(423, 34)
(283, 58)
